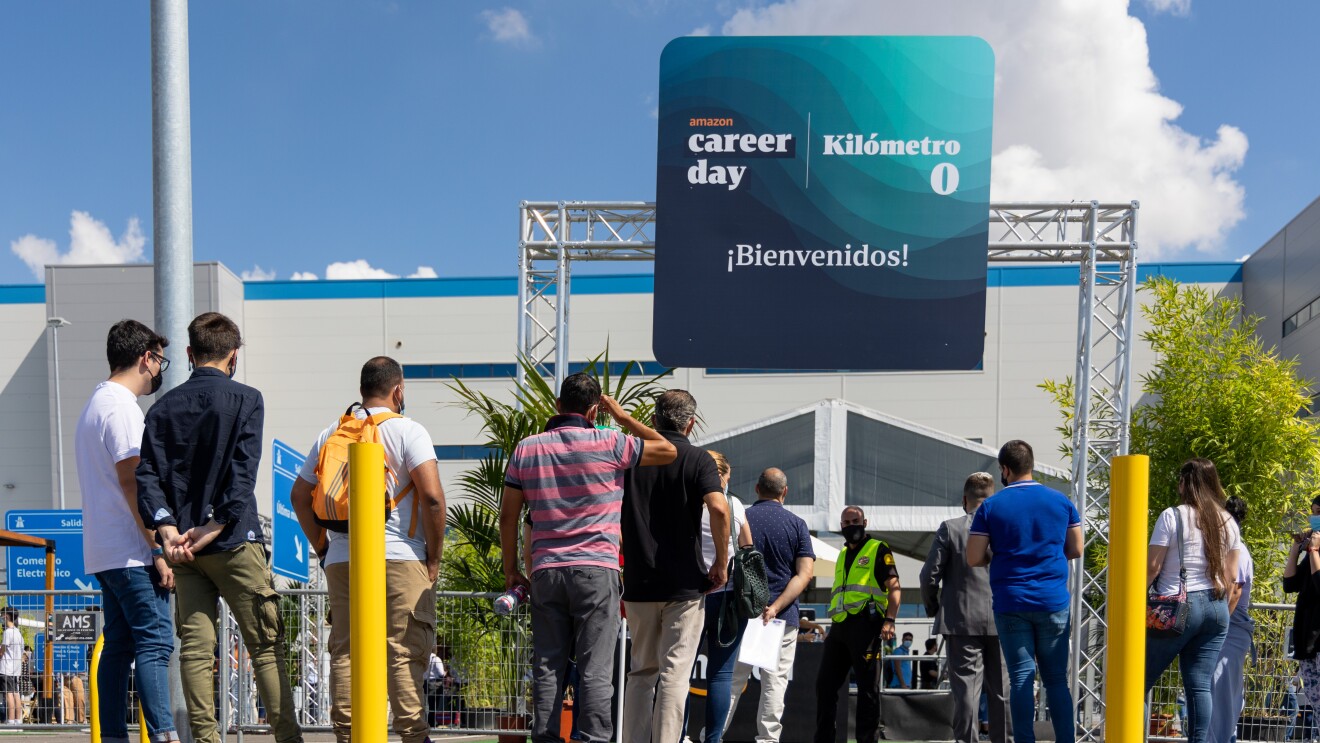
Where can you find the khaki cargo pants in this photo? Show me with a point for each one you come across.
(242, 577)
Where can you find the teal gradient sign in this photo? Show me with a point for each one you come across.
(822, 202)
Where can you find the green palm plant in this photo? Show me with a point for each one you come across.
(474, 524)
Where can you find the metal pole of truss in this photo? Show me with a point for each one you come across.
(561, 299)
(1081, 432)
(524, 328)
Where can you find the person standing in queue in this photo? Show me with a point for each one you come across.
(196, 486)
(863, 606)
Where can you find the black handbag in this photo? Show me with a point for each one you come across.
(1166, 616)
(750, 593)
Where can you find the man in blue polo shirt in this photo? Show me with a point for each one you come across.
(1031, 532)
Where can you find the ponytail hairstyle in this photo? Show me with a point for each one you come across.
(1198, 486)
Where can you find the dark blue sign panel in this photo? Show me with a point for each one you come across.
(822, 202)
(288, 548)
(26, 566)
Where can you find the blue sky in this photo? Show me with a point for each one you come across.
(404, 134)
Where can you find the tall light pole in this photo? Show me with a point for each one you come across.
(172, 233)
(54, 324)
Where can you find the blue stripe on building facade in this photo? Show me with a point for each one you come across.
(507, 286)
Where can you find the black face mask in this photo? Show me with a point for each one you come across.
(233, 367)
(157, 380)
(855, 533)
(1003, 481)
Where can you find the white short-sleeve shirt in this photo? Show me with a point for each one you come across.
(1166, 535)
(11, 664)
(407, 446)
(109, 431)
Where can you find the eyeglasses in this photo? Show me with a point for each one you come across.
(164, 362)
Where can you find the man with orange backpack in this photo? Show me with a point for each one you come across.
(414, 539)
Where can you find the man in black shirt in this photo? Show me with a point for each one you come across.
(663, 578)
(200, 453)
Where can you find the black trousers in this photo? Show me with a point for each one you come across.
(851, 646)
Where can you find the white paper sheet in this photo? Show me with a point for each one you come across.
(760, 643)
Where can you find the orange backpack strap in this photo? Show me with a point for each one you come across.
(394, 502)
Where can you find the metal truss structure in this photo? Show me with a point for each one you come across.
(1099, 237)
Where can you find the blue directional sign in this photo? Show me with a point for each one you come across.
(26, 566)
(288, 549)
(70, 658)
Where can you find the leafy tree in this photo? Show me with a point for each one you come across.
(1215, 391)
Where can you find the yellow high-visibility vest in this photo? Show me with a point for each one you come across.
(853, 592)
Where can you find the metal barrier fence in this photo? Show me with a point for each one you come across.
(486, 662)
(63, 703)
(1275, 708)
(485, 687)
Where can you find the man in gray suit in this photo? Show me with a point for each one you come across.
(959, 598)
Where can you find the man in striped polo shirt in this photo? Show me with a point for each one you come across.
(571, 479)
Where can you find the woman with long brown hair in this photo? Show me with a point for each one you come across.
(1193, 550)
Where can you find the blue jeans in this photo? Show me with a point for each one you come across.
(137, 626)
(719, 671)
(1197, 650)
(1033, 640)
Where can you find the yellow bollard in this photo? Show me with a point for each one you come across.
(95, 712)
(1125, 656)
(366, 587)
(93, 692)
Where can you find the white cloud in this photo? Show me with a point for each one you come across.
(257, 273)
(1078, 112)
(700, 31)
(361, 269)
(1173, 7)
(303, 276)
(509, 26)
(358, 269)
(90, 242)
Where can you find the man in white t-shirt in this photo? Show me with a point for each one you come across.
(122, 554)
(412, 555)
(11, 668)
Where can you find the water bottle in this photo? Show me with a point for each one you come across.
(506, 602)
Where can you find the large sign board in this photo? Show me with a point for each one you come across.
(288, 544)
(26, 566)
(822, 202)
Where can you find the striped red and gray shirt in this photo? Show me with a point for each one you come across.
(572, 479)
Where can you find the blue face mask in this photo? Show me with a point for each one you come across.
(907, 644)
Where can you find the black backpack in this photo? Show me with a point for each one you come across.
(751, 589)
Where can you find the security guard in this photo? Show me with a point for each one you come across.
(863, 605)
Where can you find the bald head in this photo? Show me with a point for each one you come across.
(772, 484)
